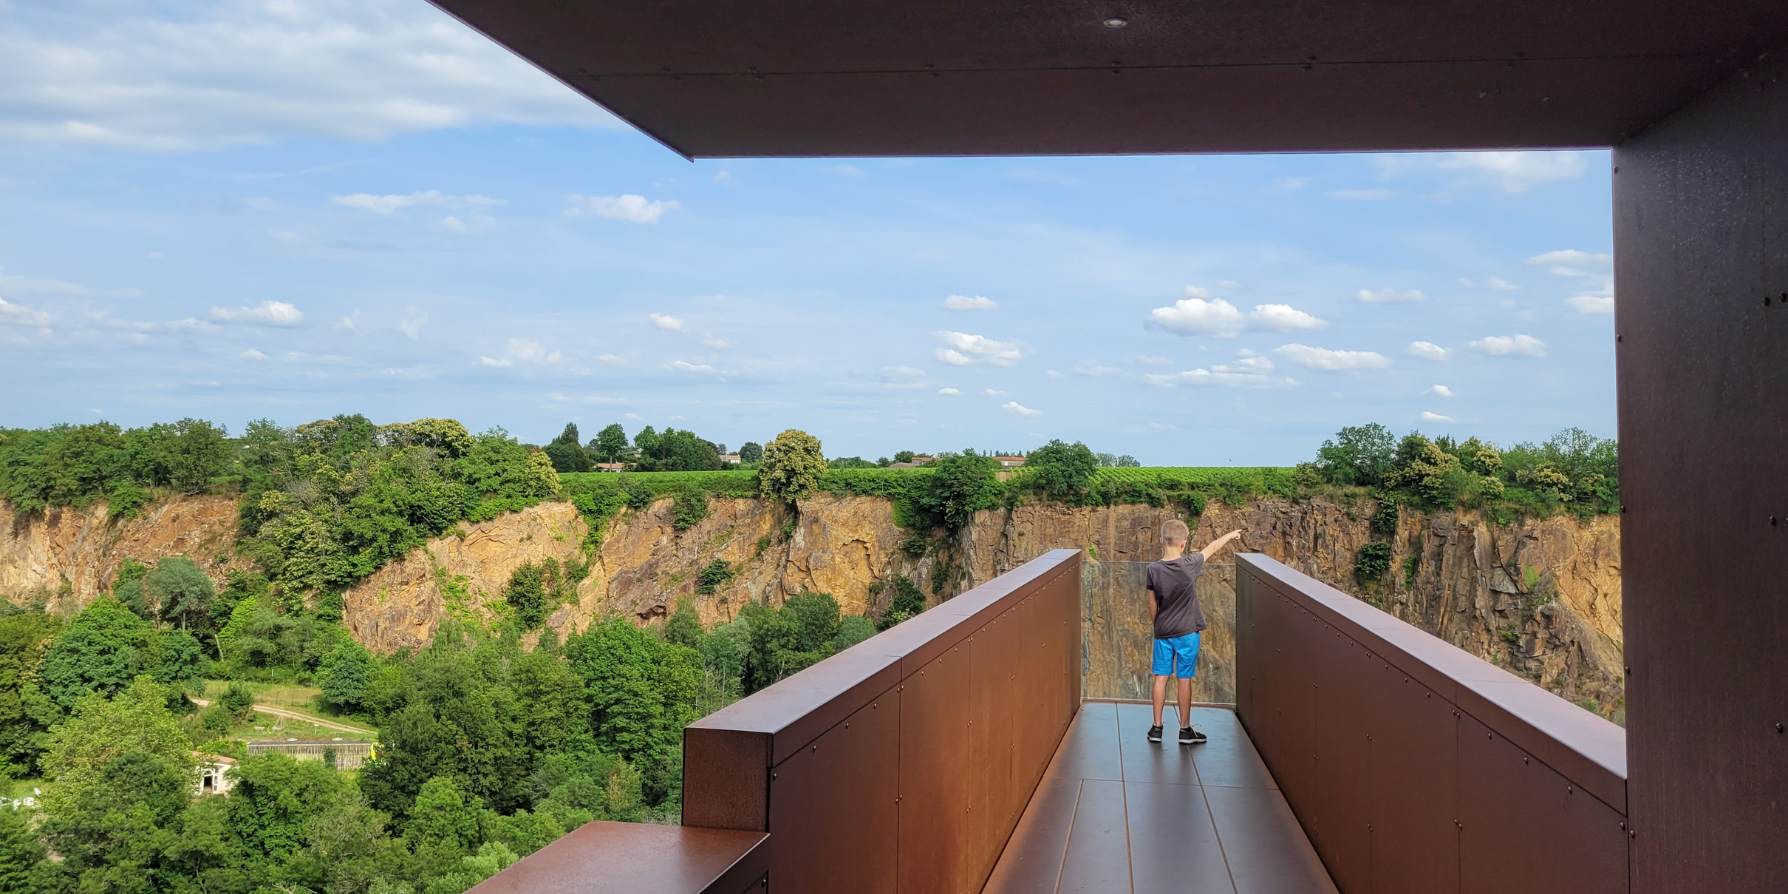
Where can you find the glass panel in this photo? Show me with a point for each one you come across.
(1117, 642)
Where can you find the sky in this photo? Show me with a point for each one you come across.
(291, 209)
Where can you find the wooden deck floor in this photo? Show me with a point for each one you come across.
(1117, 813)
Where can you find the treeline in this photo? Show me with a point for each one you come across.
(672, 450)
(1573, 471)
(74, 465)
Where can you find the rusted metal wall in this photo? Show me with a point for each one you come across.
(1414, 766)
(1701, 262)
(903, 763)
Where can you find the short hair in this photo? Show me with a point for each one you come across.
(1174, 531)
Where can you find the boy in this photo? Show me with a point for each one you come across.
(1173, 609)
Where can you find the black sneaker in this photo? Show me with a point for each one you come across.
(1190, 736)
(1154, 734)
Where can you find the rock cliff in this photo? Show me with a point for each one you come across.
(65, 558)
(1541, 598)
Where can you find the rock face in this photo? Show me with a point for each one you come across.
(1541, 598)
(67, 557)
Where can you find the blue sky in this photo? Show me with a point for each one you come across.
(294, 209)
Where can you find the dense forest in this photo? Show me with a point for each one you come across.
(488, 750)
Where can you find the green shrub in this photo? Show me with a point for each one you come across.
(1372, 561)
(690, 508)
(907, 602)
(1384, 521)
(712, 577)
(1411, 565)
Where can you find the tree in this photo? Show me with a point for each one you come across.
(789, 639)
(684, 626)
(100, 730)
(25, 712)
(959, 485)
(182, 593)
(791, 466)
(643, 692)
(1361, 454)
(751, 452)
(903, 456)
(610, 444)
(1062, 471)
(112, 830)
(21, 853)
(565, 453)
(101, 651)
(275, 799)
(345, 673)
(676, 451)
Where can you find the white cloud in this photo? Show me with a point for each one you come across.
(412, 323)
(1194, 315)
(902, 375)
(1465, 282)
(494, 361)
(1283, 318)
(964, 349)
(993, 393)
(25, 285)
(1501, 285)
(159, 77)
(1153, 361)
(666, 321)
(634, 208)
(1018, 409)
(351, 322)
(685, 366)
(1428, 350)
(951, 391)
(531, 352)
(268, 313)
(1362, 195)
(394, 203)
(718, 344)
(1595, 286)
(634, 416)
(1229, 284)
(1389, 296)
(1517, 171)
(1332, 361)
(1441, 390)
(1094, 369)
(1286, 185)
(1053, 374)
(1591, 305)
(1569, 257)
(1247, 370)
(1436, 417)
(965, 302)
(723, 177)
(253, 355)
(20, 315)
(1510, 346)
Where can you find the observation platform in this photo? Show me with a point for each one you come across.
(1116, 812)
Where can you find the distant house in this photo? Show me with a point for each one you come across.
(730, 458)
(213, 773)
(1009, 462)
(608, 467)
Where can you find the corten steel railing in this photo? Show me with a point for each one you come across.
(1414, 766)
(903, 763)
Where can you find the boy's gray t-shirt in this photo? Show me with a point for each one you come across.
(1175, 583)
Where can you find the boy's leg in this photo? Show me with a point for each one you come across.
(1185, 702)
(1162, 666)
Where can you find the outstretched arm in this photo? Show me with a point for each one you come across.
(1219, 543)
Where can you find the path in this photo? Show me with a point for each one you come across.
(294, 715)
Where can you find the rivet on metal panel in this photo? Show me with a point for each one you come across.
(772, 777)
(1632, 833)
(815, 748)
(1570, 789)
(1778, 727)
(1524, 760)
(847, 725)
(1486, 735)
(1623, 824)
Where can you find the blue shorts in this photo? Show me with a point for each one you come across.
(1183, 648)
